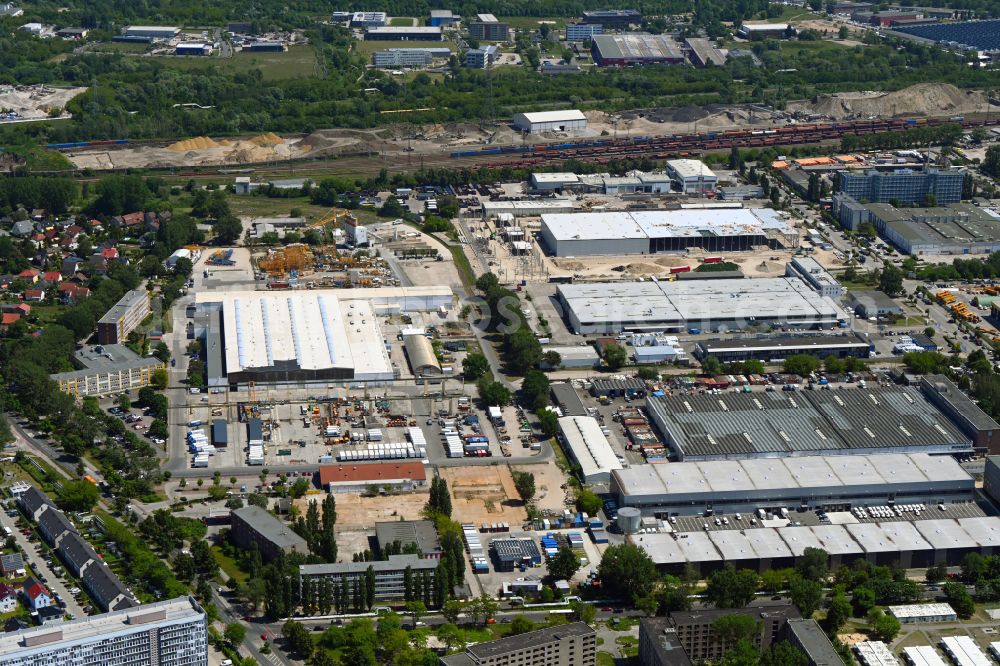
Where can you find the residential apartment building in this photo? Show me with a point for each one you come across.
(489, 29)
(167, 633)
(696, 632)
(123, 317)
(564, 645)
(389, 574)
(254, 526)
(905, 186)
(107, 370)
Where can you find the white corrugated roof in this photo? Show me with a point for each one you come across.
(589, 446)
(554, 116)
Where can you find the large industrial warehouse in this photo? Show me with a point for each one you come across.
(775, 424)
(833, 483)
(912, 544)
(318, 335)
(652, 231)
(775, 348)
(607, 307)
(635, 49)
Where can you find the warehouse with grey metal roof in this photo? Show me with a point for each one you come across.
(775, 424)
(716, 305)
(814, 482)
(917, 543)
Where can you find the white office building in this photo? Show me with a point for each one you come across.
(815, 276)
(409, 57)
(581, 32)
(692, 176)
(167, 633)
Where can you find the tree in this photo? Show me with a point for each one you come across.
(614, 356)
(552, 359)
(960, 599)
(235, 633)
(123, 402)
(78, 495)
(416, 610)
(583, 611)
(801, 364)
(474, 366)
(936, 573)
(882, 626)
(735, 627)
(525, 484)
(627, 571)
(159, 379)
(548, 422)
(299, 638)
(519, 624)
(837, 612)
(864, 600)
(228, 228)
(843, 32)
(732, 588)
(812, 564)
(784, 653)
(890, 280)
(451, 609)
(588, 502)
(535, 389)
(991, 162)
(493, 393)
(564, 564)
(806, 594)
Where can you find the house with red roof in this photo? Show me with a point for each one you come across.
(8, 318)
(71, 293)
(34, 295)
(16, 308)
(52, 277)
(110, 253)
(36, 595)
(30, 275)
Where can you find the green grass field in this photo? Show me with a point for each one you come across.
(119, 47)
(369, 47)
(296, 62)
(404, 21)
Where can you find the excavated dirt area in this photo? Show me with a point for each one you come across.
(36, 101)
(924, 99)
(927, 99)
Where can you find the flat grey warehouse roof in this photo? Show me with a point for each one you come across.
(804, 422)
(803, 473)
(653, 303)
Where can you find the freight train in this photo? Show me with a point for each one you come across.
(661, 147)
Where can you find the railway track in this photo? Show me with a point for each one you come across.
(596, 151)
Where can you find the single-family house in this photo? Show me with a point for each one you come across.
(8, 598)
(36, 595)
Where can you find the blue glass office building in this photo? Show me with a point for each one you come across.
(905, 186)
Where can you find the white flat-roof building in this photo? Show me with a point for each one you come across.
(165, 633)
(750, 30)
(875, 653)
(570, 120)
(708, 305)
(654, 231)
(692, 176)
(913, 613)
(818, 277)
(964, 651)
(923, 655)
(317, 335)
(589, 448)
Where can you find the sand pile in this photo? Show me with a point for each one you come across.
(640, 268)
(924, 99)
(267, 139)
(196, 143)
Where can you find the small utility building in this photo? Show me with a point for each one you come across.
(570, 120)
